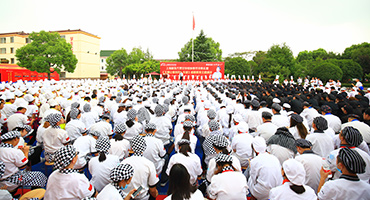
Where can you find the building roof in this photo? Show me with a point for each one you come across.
(107, 53)
(60, 31)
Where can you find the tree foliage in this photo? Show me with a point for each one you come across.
(205, 50)
(237, 66)
(47, 50)
(359, 53)
(327, 70)
(117, 61)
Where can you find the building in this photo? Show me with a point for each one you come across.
(85, 46)
(104, 54)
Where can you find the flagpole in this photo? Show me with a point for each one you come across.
(192, 42)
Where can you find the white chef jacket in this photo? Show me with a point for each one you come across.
(133, 131)
(109, 192)
(155, 152)
(280, 152)
(242, 144)
(212, 167)
(284, 192)
(312, 164)
(75, 128)
(322, 143)
(9, 109)
(309, 114)
(100, 171)
(68, 186)
(280, 120)
(17, 119)
(54, 139)
(144, 175)
(344, 189)
(333, 122)
(120, 148)
(229, 185)
(197, 195)
(120, 118)
(266, 130)
(193, 142)
(84, 145)
(164, 126)
(362, 127)
(254, 119)
(89, 118)
(192, 164)
(103, 127)
(265, 173)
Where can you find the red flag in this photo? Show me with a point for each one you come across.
(193, 23)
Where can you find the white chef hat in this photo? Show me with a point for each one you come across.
(259, 144)
(294, 171)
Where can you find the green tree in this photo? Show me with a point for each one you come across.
(327, 70)
(117, 61)
(45, 51)
(350, 69)
(205, 50)
(359, 53)
(136, 56)
(237, 66)
(282, 56)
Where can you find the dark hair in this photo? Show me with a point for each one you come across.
(299, 189)
(130, 123)
(230, 117)
(93, 96)
(68, 119)
(102, 156)
(117, 137)
(185, 148)
(179, 183)
(222, 149)
(186, 133)
(87, 99)
(302, 130)
(150, 110)
(220, 165)
(20, 108)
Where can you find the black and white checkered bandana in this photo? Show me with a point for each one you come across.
(2, 169)
(121, 172)
(165, 108)
(223, 158)
(103, 145)
(321, 123)
(87, 107)
(54, 118)
(213, 125)
(227, 168)
(352, 160)
(28, 128)
(74, 113)
(159, 110)
(131, 114)
(138, 145)
(167, 101)
(211, 114)
(101, 99)
(68, 171)
(143, 115)
(183, 141)
(75, 105)
(220, 141)
(208, 145)
(63, 156)
(10, 135)
(352, 136)
(150, 126)
(155, 100)
(120, 128)
(188, 124)
(95, 133)
(89, 198)
(190, 117)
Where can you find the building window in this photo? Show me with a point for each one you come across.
(2, 50)
(12, 60)
(11, 39)
(102, 60)
(11, 49)
(28, 40)
(2, 40)
(63, 36)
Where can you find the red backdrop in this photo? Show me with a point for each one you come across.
(191, 70)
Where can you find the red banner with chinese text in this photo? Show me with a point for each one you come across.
(193, 70)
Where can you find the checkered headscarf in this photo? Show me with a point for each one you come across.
(213, 125)
(220, 141)
(352, 160)
(138, 145)
(211, 114)
(74, 113)
(27, 127)
(120, 128)
(2, 169)
(223, 158)
(95, 133)
(352, 136)
(155, 100)
(183, 141)
(143, 115)
(159, 110)
(185, 99)
(150, 126)
(321, 123)
(54, 118)
(87, 107)
(75, 105)
(121, 172)
(188, 124)
(63, 156)
(131, 114)
(190, 117)
(103, 144)
(10, 135)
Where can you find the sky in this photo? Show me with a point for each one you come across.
(165, 26)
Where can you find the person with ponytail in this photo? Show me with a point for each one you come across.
(188, 135)
(120, 146)
(190, 160)
(100, 166)
(179, 187)
(227, 183)
(293, 185)
(297, 128)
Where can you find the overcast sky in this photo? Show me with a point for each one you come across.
(165, 26)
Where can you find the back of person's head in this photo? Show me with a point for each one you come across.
(266, 115)
(295, 173)
(179, 183)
